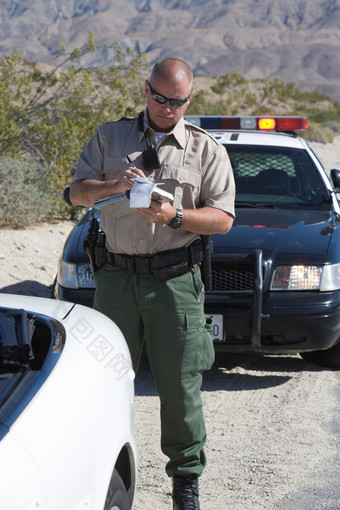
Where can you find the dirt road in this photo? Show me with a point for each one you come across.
(271, 441)
(270, 437)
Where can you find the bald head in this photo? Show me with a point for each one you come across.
(168, 93)
(173, 70)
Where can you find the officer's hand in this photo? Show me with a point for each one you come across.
(159, 212)
(125, 181)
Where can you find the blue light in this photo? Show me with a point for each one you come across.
(211, 122)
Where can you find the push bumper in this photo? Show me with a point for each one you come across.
(276, 322)
(281, 331)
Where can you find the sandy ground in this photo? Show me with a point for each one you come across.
(269, 419)
(329, 153)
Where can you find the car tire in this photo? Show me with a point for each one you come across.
(329, 358)
(52, 288)
(117, 498)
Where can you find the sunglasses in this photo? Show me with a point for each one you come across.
(162, 99)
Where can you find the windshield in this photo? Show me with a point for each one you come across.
(276, 177)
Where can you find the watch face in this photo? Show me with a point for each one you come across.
(177, 221)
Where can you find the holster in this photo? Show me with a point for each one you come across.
(206, 272)
(94, 245)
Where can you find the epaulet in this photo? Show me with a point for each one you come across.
(120, 120)
(126, 118)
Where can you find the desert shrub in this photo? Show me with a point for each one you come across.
(24, 195)
(49, 114)
(318, 133)
(333, 126)
(226, 81)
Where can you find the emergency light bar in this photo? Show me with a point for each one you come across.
(249, 123)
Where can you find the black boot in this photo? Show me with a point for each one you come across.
(185, 492)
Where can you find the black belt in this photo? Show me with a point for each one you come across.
(163, 265)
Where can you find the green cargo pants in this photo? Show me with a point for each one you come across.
(169, 317)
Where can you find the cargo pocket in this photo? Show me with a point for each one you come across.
(198, 353)
(198, 286)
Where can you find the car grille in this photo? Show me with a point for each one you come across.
(232, 278)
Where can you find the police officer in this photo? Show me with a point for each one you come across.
(151, 285)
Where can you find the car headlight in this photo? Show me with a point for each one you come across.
(75, 276)
(330, 278)
(296, 278)
(323, 278)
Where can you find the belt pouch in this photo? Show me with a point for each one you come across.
(167, 273)
(169, 258)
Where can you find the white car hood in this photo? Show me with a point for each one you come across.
(50, 307)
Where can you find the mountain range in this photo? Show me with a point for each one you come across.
(295, 40)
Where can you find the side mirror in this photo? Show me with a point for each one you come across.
(335, 176)
(66, 195)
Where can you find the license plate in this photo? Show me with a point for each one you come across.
(217, 328)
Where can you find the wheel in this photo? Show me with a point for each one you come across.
(329, 358)
(117, 498)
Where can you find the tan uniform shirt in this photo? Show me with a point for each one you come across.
(195, 168)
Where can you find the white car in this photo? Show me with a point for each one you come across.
(66, 408)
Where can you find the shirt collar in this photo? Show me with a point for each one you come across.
(178, 132)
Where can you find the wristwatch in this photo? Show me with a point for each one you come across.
(177, 221)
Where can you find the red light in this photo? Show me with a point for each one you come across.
(230, 122)
(291, 123)
(271, 226)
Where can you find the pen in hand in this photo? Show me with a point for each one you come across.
(139, 172)
(130, 161)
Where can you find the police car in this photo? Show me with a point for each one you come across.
(275, 277)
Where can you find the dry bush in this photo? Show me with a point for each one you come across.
(24, 196)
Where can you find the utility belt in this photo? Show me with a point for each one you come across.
(163, 265)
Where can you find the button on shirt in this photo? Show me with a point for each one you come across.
(194, 167)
